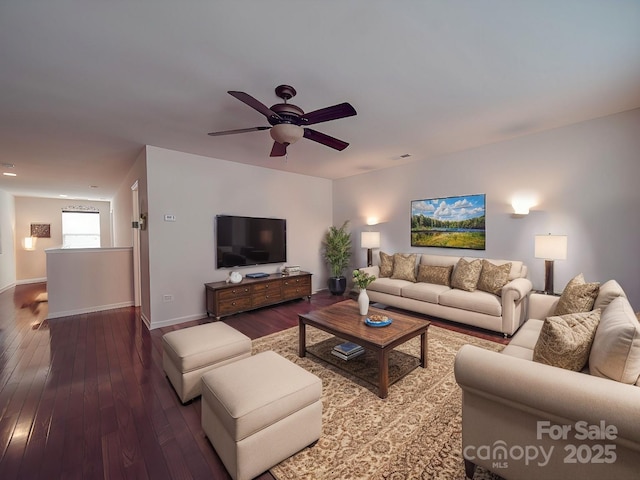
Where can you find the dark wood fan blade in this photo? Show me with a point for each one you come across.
(279, 149)
(341, 110)
(240, 130)
(325, 139)
(253, 103)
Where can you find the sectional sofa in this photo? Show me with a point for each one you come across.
(486, 293)
(530, 419)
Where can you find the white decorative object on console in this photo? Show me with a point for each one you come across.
(234, 277)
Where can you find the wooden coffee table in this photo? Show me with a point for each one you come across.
(344, 321)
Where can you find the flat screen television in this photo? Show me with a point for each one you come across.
(244, 241)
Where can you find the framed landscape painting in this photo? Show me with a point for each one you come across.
(450, 222)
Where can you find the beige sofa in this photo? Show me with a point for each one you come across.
(527, 420)
(502, 313)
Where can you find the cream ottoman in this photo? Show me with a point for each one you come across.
(190, 352)
(259, 411)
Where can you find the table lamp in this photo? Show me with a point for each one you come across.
(550, 247)
(370, 240)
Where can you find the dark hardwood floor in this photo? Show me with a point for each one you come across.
(86, 397)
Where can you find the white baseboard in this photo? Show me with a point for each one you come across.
(96, 308)
(175, 321)
(145, 320)
(23, 282)
(27, 281)
(8, 287)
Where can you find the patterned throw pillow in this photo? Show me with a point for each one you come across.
(565, 341)
(404, 267)
(577, 296)
(493, 277)
(435, 274)
(466, 274)
(386, 265)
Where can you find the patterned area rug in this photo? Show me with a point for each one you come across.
(415, 433)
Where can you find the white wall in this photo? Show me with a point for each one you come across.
(7, 248)
(122, 205)
(122, 202)
(83, 280)
(195, 189)
(32, 265)
(585, 178)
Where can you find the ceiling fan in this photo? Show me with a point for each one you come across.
(289, 122)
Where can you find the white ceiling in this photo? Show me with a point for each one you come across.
(84, 85)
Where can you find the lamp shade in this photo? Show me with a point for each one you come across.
(370, 240)
(551, 247)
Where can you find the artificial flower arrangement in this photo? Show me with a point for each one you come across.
(362, 279)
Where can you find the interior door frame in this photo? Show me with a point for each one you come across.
(137, 286)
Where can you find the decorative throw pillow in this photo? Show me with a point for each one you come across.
(435, 274)
(577, 296)
(493, 277)
(466, 274)
(608, 291)
(565, 341)
(615, 353)
(404, 267)
(386, 265)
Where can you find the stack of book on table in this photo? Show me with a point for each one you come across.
(347, 350)
(291, 269)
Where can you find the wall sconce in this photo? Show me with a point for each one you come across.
(550, 247)
(372, 221)
(522, 202)
(520, 208)
(29, 243)
(370, 240)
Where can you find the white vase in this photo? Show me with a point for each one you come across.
(363, 301)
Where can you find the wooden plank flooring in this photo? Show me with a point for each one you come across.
(86, 397)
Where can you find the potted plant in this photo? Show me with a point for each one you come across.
(337, 253)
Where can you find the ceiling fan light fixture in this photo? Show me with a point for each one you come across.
(286, 133)
(288, 122)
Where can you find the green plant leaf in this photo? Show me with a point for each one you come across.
(337, 249)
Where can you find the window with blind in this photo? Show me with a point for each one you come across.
(80, 229)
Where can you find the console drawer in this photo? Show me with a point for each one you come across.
(234, 305)
(296, 287)
(266, 297)
(266, 287)
(235, 292)
(297, 281)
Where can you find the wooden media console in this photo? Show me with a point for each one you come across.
(228, 298)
